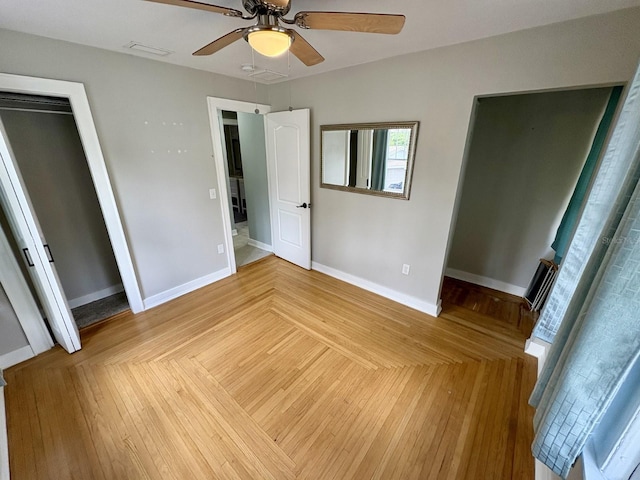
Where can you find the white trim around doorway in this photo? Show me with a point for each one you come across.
(77, 96)
(216, 104)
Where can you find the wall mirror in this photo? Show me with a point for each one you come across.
(370, 158)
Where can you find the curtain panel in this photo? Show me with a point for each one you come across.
(610, 192)
(592, 313)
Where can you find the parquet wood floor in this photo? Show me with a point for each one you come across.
(278, 373)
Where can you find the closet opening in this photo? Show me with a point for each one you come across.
(49, 156)
(528, 165)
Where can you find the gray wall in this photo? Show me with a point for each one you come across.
(254, 168)
(153, 127)
(49, 153)
(525, 156)
(161, 172)
(371, 237)
(11, 335)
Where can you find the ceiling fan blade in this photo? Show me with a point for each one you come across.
(304, 51)
(230, 12)
(220, 43)
(352, 22)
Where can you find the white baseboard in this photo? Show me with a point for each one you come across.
(260, 245)
(163, 297)
(92, 297)
(17, 356)
(486, 282)
(4, 442)
(537, 348)
(404, 299)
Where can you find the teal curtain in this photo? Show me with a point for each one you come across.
(379, 160)
(593, 354)
(591, 315)
(568, 223)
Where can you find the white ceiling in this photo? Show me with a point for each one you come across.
(111, 24)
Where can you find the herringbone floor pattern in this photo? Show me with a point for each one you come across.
(278, 373)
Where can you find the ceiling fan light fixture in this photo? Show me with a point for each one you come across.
(269, 41)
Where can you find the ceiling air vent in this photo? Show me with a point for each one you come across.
(267, 75)
(139, 47)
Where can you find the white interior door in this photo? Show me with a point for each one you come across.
(24, 226)
(288, 162)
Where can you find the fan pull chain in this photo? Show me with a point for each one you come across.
(289, 77)
(255, 84)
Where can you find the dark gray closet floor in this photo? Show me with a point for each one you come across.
(100, 309)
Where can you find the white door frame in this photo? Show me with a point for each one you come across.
(77, 96)
(215, 104)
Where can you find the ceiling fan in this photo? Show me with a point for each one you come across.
(269, 38)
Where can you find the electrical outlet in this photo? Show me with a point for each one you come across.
(221, 248)
(212, 193)
(405, 269)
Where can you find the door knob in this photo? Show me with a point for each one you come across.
(304, 205)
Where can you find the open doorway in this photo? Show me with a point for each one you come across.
(286, 198)
(525, 155)
(239, 146)
(49, 155)
(246, 156)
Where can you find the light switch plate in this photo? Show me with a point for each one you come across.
(212, 193)
(221, 248)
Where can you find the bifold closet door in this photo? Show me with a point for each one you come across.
(35, 252)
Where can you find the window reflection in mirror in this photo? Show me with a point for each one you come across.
(369, 158)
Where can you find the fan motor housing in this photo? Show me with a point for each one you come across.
(258, 7)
